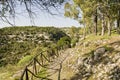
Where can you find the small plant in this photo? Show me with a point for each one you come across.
(25, 59)
(42, 73)
(108, 48)
(74, 41)
(64, 42)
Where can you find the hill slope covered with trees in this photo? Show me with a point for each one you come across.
(18, 42)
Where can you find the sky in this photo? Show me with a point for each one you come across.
(42, 18)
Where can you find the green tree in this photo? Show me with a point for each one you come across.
(105, 12)
(73, 31)
(109, 11)
(64, 42)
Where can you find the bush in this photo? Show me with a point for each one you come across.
(73, 42)
(64, 42)
(108, 48)
(25, 59)
(43, 73)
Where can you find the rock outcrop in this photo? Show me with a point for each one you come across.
(100, 64)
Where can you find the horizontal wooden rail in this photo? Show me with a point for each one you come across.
(34, 62)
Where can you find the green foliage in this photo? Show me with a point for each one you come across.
(64, 42)
(89, 54)
(97, 15)
(25, 60)
(16, 42)
(73, 30)
(12, 52)
(71, 11)
(42, 73)
(54, 33)
(53, 49)
(110, 49)
(74, 41)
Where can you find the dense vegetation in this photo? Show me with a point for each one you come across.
(97, 16)
(18, 42)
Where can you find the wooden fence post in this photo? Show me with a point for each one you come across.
(21, 78)
(35, 68)
(26, 71)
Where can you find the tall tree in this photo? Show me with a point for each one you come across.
(89, 11)
(118, 18)
(106, 11)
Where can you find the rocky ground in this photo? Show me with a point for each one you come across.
(91, 60)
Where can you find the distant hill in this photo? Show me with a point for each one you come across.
(16, 42)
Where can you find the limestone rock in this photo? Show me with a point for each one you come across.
(98, 53)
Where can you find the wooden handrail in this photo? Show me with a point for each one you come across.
(33, 62)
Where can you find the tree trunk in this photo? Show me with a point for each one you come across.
(95, 23)
(103, 26)
(103, 29)
(27, 78)
(109, 27)
(118, 22)
(84, 32)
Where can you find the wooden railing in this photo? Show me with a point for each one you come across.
(30, 71)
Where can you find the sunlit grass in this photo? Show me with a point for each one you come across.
(93, 37)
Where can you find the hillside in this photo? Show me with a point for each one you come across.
(17, 42)
(92, 58)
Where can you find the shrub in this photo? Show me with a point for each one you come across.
(108, 48)
(64, 42)
(42, 73)
(74, 41)
(25, 59)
